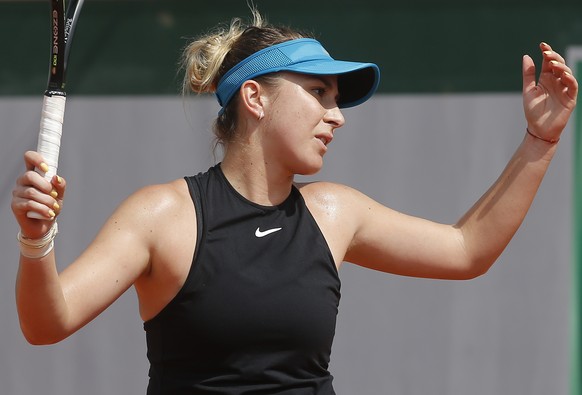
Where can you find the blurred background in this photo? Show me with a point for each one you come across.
(445, 121)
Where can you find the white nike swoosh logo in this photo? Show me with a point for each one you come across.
(264, 233)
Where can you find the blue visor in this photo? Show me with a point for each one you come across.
(357, 82)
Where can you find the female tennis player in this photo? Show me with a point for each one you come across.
(236, 268)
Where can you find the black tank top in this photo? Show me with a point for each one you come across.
(257, 312)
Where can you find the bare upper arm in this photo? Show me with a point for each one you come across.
(362, 231)
(123, 251)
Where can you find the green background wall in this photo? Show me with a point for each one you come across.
(133, 47)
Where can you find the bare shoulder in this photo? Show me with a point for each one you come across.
(335, 209)
(322, 191)
(160, 198)
(329, 196)
(154, 213)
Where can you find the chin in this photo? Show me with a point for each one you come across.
(309, 169)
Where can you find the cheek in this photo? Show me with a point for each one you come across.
(288, 123)
(297, 104)
(296, 113)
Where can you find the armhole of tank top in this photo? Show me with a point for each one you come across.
(312, 219)
(194, 188)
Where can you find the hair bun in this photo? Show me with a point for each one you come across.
(203, 58)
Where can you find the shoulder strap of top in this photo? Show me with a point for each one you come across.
(195, 192)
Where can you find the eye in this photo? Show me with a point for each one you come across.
(319, 91)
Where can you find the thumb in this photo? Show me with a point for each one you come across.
(528, 69)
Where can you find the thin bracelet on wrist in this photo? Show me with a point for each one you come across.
(550, 141)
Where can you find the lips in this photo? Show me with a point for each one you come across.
(325, 138)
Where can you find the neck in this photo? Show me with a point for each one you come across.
(256, 179)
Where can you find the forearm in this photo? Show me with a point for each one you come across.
(40, 302)
(490, 224)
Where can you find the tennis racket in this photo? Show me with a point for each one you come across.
(63, 17)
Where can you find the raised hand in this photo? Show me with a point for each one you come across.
(548, 103)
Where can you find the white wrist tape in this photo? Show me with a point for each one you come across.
(38, 248)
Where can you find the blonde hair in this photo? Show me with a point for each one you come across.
(206, 59)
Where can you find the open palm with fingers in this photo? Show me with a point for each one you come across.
(548, 103)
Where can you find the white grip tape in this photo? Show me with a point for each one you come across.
(49, 137)
(51, 130)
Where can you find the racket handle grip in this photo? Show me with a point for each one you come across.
(49, 137)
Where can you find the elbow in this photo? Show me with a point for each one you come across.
(40, 336)
(473, 274)
(476, 269)
(36, 340)
(41, 329)
(473, 264)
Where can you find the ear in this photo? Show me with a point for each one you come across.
(251, 100)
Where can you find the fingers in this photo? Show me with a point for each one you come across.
(564, 74)
(529, 73)
(33, 193)
(33, 159)
(28, 197)
(58, 192)
(549, 102)
(549, 54)
(555, 64)
(572, 84)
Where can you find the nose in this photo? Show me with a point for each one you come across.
(334, 117)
